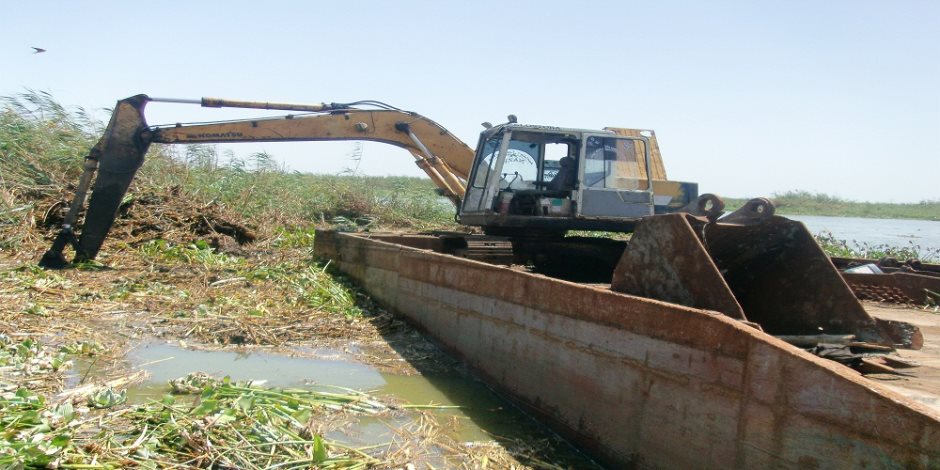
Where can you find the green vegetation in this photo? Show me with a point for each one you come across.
(843, 249)
(208, 255)
(298, 283)
(230, 425)
(806, 203)
(42, 145)
(278, 198)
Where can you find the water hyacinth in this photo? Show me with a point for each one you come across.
(229, 425)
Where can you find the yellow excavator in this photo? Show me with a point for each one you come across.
(526, 186)
(506, 186)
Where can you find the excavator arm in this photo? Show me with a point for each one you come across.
(120, 152)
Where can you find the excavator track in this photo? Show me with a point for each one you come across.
(494, 250)
(484, 248)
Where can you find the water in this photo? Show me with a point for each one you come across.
(165, 361)
(904, 233)
(476, 413)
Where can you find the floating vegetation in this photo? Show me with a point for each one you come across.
(229, 425)
(107, 397)
(28, 362)
(834, 246)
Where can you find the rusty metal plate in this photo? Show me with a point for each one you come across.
(665, 260)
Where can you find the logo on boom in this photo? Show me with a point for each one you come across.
(214, 135)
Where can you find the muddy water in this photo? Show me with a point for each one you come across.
(467, 406)
(166, 361)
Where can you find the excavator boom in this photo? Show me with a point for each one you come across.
(120, 152)
(341, 123)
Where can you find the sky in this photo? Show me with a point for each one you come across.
(747, 98)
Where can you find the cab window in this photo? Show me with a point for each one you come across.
(613, 163)
(519, 170)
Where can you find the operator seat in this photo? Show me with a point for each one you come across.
(564, 180)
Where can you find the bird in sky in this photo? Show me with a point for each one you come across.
(39, 50)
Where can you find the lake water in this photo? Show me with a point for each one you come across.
(924, 234)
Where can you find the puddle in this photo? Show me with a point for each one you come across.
(481, 411)
(477, 414)
(166, 361)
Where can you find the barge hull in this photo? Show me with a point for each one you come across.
(638, 382)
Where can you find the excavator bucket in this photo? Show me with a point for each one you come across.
(116, 157)
(754, 266)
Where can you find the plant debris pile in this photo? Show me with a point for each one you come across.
(170, 215)
(154, 214)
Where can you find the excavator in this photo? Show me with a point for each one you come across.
(525, 187)
(505, 187)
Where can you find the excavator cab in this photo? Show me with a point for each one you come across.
(549, 179)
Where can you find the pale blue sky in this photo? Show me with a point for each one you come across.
(747, 97)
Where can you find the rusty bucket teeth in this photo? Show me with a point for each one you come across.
(751, 265)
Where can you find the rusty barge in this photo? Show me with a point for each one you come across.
(642, 382)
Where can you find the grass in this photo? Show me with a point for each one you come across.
(807, 203)
(281, 198)
(299, 283)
